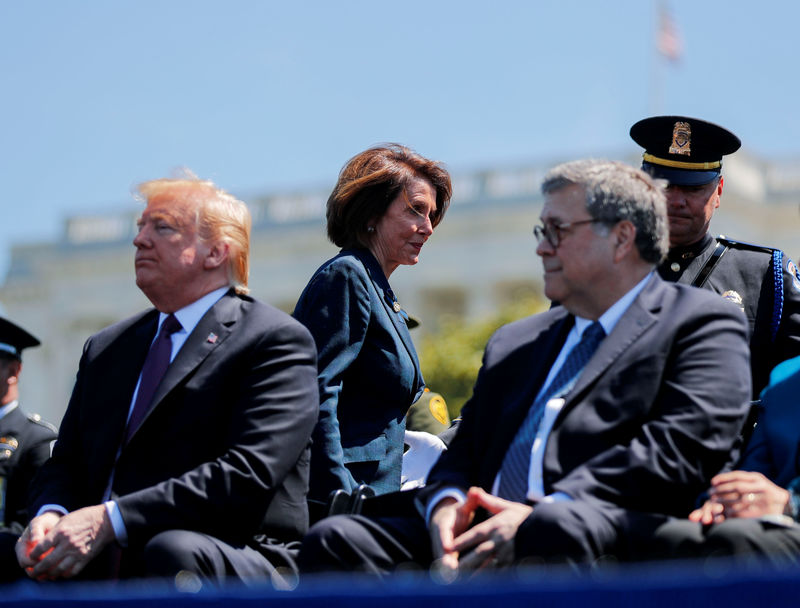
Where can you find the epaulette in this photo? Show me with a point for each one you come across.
(37, 419)
(742, 245)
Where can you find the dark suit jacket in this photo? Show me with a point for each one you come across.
(652, 417)
(24, 446)
(368, 375)
(224, 449)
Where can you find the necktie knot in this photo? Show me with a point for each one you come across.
(170, 325)
(592, 335)
(595, 331)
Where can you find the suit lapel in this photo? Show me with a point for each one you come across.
(133, 347)
(633, 323)
(398, 322)
(383, 289)
(526, 377)
(212, 330)
(116, 387)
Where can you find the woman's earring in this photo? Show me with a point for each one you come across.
(370, 228)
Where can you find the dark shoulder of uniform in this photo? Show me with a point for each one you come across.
(746, 246)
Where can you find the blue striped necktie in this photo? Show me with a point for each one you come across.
(516, 463)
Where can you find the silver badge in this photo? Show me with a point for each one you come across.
(734, 298)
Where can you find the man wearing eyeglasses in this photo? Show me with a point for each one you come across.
(762, 281)
(595, 418)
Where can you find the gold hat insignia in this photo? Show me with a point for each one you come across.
(681, 139)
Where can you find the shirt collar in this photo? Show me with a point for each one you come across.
(5, 409)
(610, 317)
(189, 316)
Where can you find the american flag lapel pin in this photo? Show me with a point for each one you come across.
(212, 338)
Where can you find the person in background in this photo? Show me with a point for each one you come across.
(762, 281)
(25, 441)
(385, 206)
(601, 415)
(428, 414)
(185, 445)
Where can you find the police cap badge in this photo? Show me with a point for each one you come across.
(685, 151)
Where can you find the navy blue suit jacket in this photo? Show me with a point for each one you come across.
(224, 449)
(368, 375)
(652, 417)
(774, 448)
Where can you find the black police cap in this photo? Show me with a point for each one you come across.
(685, 151)
(13, 339)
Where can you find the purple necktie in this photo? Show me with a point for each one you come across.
(155, 366)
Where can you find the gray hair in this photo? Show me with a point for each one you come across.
(615, 192)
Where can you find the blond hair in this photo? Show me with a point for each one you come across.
(219, 217)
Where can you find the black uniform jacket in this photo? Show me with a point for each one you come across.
(747, 275)
(24, 446)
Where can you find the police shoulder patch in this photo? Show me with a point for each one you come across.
(791, 268)
(438, 409)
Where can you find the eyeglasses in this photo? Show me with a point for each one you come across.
(555, 232)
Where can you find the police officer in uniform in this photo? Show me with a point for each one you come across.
(428, 414)
(762, 281)
(24, 445)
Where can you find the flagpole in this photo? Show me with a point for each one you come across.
(656, 69)
(667, 47)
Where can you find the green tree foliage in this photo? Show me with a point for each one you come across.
(451, 356)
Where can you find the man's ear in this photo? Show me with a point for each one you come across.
(14, 368)
(217, 255)
(624, 234)
(719, 191)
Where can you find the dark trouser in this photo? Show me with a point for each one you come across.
(744, 539)
(214, 560)
(200, 557)
(560, 532)
(9, 567)
(356, 543)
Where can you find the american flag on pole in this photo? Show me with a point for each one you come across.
(668, 40)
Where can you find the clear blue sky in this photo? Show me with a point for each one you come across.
(98, 95)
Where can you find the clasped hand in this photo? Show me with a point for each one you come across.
(55, 546)
(487, 544)
(741, 494)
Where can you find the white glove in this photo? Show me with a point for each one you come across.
(423, 452)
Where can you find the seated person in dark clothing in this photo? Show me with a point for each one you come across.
(185, 446)
(25, 441)
(752, 511)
